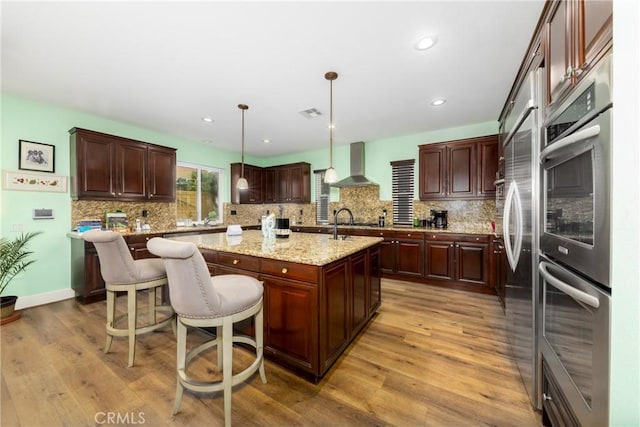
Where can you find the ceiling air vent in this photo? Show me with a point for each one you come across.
(311, 113)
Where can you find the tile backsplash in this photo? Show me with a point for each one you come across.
(160, 216)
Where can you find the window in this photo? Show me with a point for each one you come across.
(198, 193)
(402, 191)
(323, 191)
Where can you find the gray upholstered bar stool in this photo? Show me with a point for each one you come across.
(122, 273)
(204, 301)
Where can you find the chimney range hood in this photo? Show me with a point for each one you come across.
(357, 178)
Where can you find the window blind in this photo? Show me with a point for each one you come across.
(323, 191)
(402, 191)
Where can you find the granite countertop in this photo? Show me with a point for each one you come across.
(304, 248)
(453, 229)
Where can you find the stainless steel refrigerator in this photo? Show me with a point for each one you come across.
(520, 228)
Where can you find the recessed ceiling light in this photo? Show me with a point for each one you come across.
(438, 102)
(207, 119)
(266, 141)
(426, 42)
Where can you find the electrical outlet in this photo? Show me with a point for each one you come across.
(233, 212)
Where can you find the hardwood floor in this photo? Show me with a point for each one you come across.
(431, 357)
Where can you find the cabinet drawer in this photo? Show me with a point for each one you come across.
(292, 270)
(242, 262)
(387, 234)
(140, 238)
(415, 235)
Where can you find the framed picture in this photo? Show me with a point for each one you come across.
(28, 181)
(35, 156)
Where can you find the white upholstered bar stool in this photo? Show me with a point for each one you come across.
(122, 273)
(200, 300)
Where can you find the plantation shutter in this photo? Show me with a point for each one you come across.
(323, 191)
(402, 191)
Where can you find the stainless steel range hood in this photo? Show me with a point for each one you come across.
(357, 178)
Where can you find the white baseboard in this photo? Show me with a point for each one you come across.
(45, 298)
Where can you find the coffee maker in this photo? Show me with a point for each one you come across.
(439, 218)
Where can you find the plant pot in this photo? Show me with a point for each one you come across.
(7, 306)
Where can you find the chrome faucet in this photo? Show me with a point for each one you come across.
(335, 221)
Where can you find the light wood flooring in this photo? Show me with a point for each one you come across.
(430, 357)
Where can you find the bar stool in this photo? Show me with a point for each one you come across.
(200, 300)
(122, 273)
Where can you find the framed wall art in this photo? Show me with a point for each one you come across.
(35, 156)
(26, 181)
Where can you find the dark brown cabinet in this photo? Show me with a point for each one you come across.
(456, 260)
(289, 183)
(107, 167)
(401, 253)
(311, 313)
(293, 183)
(253, 175)
(162, 173)
(577, 34)
(462, 169)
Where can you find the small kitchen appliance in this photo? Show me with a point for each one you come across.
(282, 228)
(439, 218)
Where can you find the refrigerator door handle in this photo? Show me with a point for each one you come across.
(521, 118)
(513, 199)
(574, 293)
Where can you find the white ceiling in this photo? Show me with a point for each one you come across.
(165, 65)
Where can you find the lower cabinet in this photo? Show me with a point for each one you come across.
(556, 411)
(402, 253)
(311, 313)
(458, 260)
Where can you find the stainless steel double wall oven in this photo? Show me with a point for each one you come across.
(575, 290)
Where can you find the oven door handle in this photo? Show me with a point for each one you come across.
(574, 293)
(569, 140)
(513, 199)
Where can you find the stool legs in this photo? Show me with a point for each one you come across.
(181, 345)
(132, 316)
(111, 315)
(260, 344)
(227, 362)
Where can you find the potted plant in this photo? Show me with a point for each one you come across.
(14, 259)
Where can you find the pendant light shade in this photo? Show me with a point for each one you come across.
(242, 183)
(330, 175)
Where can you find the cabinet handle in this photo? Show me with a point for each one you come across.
(545, 396)
(451, 245)
(567, 75)
(150, 195)
(113, 194)
(235, 261)
(284, 270)
(132, 249)
(146, 238)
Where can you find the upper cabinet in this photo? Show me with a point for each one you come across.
(107, 167)
(290, 183)
(577, 33)
(462, 169)
(253, 175)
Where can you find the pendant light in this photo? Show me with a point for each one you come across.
(242, 183)
(330, 175)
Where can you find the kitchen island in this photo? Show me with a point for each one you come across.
(318, 292)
